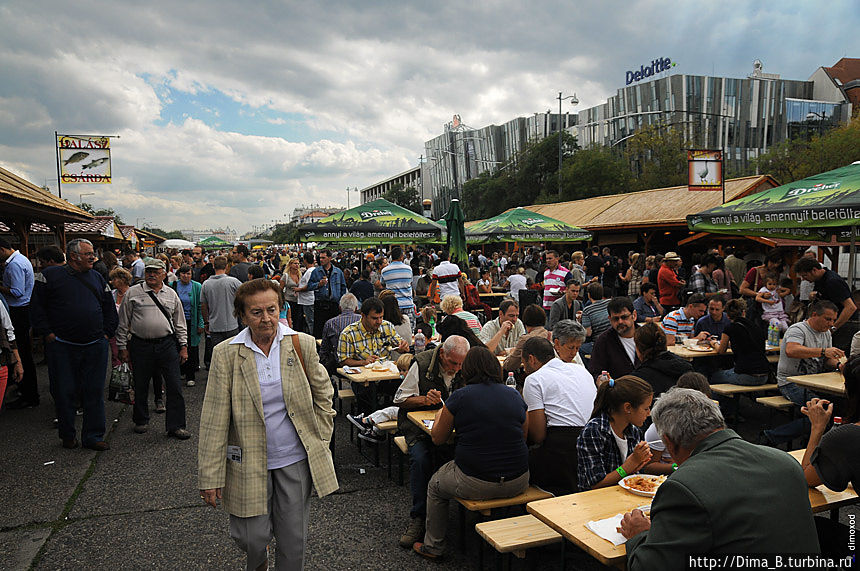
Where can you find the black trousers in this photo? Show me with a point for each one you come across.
(553, 464)
(28, 388)
(149, 357)
(324, 310)
(192, 365)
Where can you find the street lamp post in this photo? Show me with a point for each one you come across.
(573, 101)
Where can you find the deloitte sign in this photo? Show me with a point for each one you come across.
(657, 65)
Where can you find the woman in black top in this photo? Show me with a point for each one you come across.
(748, 348)
(658, 366)
(491, 459)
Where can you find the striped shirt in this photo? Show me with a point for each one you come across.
(596, 316)
(677, 322)
(397, 277)
(553, 285)
(471, 320)
(447, 275)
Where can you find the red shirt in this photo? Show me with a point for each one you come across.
(669, 286)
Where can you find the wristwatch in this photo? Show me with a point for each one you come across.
(822, 352)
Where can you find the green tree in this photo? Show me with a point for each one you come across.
(798, 158)
(285, 234)
(658, 157)
(172, 234)
(102, 212)
(405, 196)
(591, 172)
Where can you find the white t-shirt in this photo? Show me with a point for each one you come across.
(517, 282)
(652, 437)
(629, 346)
(484, 283)
(305, 297)
(565, 392)
(622, 444)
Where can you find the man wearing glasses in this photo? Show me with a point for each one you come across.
(74, 310)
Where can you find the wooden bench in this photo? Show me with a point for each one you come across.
(485, 507)
(403, 451)
(344, 395)
(777, 402)
(730, 390)
(517, 534)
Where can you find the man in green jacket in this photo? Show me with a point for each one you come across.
(727, 496)
(189, 294)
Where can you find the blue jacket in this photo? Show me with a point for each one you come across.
(64, 306)
(333, 290)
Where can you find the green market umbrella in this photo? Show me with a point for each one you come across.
(522, 225)
(814, 208)
(374, 222)
(214, 242)
(456, 244)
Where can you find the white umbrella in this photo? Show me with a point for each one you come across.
(176, 243)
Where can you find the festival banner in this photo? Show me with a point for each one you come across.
(84, 160)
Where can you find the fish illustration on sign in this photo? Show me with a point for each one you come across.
(77, 157)
(95, 163)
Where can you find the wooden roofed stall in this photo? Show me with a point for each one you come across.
(102, 231)
(649, 219)
(147, 239)
(22, 204)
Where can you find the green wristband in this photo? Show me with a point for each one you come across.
(621, 472)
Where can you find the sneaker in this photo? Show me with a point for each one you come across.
(419, 548)
(79, 412)
(359, 421)
(140, 428)
(370, 435)
(179, 433)
(190, 383)
(414, 533)
(99, 446)
(20, 403)
(159, 406)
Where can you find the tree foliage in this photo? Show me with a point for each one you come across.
(285, 234)
(658, 157)
(102, 212)
(798, 158)
(405, 196)
(172, 234)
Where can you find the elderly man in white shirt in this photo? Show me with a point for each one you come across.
(504, 331)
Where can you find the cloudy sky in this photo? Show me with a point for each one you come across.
(233, 113)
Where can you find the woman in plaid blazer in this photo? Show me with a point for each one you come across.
(265, 428)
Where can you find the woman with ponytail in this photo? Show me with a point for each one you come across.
(611, 446)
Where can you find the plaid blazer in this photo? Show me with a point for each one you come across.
(233, 415)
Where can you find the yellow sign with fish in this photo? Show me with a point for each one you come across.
(84, 160)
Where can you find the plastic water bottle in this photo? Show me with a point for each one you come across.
(420, 342)
(511, 381)
(432, 327)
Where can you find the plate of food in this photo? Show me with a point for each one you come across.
(642, 484)
(700, 348)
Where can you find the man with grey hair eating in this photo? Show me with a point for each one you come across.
(726, 496)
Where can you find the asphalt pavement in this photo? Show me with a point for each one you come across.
(136, 506)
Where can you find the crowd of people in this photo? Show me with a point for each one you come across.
(548, 381)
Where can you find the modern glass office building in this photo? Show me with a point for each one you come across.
(742, 117)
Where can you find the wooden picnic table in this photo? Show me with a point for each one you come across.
(691, 354)
(832, 383)
(418, 417)
(569, 514)
(367, 376)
